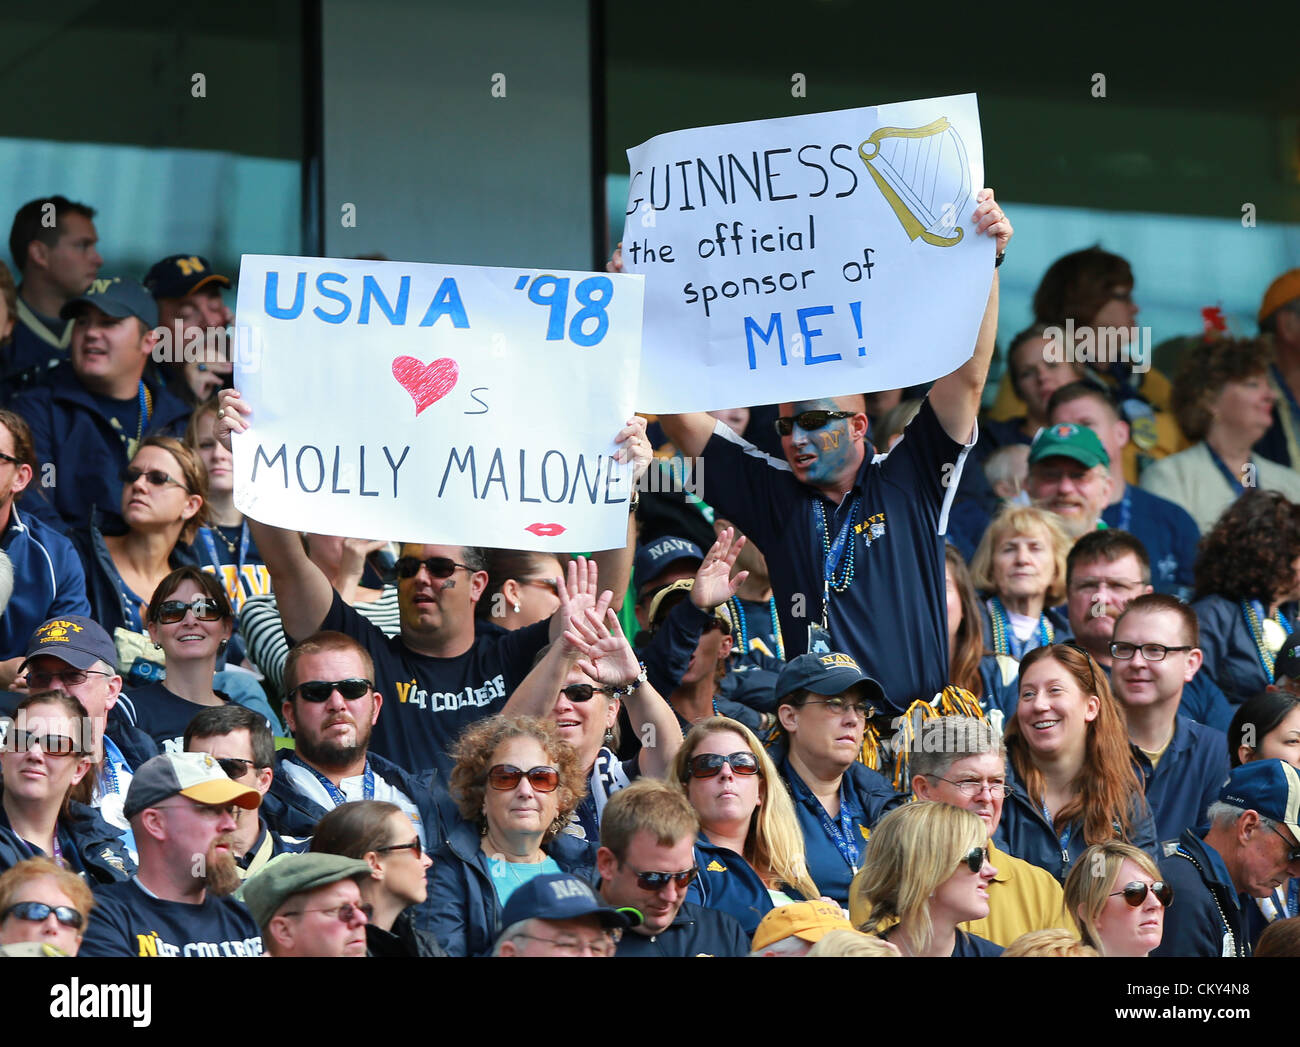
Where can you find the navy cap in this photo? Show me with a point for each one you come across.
(179, 275)
(1288, 662)
(655, 558)
(1268, 787)
(117, 297)
(560, 896)
(77, 640)
(832, 673)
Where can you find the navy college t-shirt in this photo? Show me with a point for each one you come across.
(893, 617)
(429, 701)
(128, 921)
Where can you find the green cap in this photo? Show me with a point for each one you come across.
(1067, 440)
(290, 874)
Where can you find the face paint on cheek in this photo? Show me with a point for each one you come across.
(830, 440)
(835, 457)
(450, 583)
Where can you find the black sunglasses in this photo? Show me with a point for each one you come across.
(1293, 850)
(414, 845)
(156, 477)
(709, 765)
(808, 421)
(581, 692)
(172, 611)
(507, 776)
(657, 881)
(975, 858)
(320, 690)
(437, 566)
(1135, 893)
(38, 911)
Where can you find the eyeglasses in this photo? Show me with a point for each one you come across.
(975, 858)
(35, 912)
(1151, 652)
(1135, 893)
(10, 459)
(234, 766)
(657, 881)
(542, 583)
(581, 692)
(602, 946)
(156, 477)
(507, 776)
(172, 611)
(709, 765)
(808, 421)
(207, 810)
(437, 566)
(1293, 849)
(38, 681)
(1089, 586)
(414, 845)
(51, 744)
(320, 690)
(343, 913)
(974, 786)
(838, 707)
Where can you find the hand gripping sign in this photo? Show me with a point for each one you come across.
(808, 256)
(433, 403)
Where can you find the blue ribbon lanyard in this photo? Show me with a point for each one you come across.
(1064, 838)
(841, 834)
(1126, 509)
(1233, 481)
(206, 534)
(367, 783)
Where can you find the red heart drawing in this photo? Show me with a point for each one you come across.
(427, 385)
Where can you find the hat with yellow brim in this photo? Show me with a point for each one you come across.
(196, 776)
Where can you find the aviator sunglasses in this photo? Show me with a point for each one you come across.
(1135, 893)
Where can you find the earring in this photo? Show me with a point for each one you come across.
(221, 647)
(517, 608)
(157, 647)
(609, 736)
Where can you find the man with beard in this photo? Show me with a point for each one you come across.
(181, 808)
(1069, 475)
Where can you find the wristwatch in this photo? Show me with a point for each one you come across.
(631, 688)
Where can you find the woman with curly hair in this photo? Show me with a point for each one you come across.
(515, 783)
(750, 852)
(1071, 776)
(1223, 401)
(1247, 582)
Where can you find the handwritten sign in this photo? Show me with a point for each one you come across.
(436, 404)
(808, 256)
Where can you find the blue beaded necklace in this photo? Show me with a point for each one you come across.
(845, 566)
(738, 616)
(1005, 640)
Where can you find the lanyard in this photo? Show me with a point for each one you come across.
(112, 755)
(840, 832)
(1064, 838)
(1286, 390)
(1233, 481)
(206, 534)
(367, 782)
(1125, 509)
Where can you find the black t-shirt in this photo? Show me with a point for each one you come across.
(128, 921)
(163, 716)
(429, 701)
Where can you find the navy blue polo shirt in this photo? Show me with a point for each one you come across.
(729, 883)
(1168, 532)
(893, 617)
(695, 931)
(1185, 781)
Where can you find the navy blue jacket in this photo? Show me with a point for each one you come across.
(48, 580)
(1168, 533)
(1025, 833)
(71, 433)
(1194, 924)
(467, 917)
(89, 843)
(1205, 703)
(695, 931)
(1185, 781)
(1231, 658)
(729, 883)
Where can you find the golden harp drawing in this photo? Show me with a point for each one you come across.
(923, 173)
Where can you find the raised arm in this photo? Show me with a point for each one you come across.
(616, 564)
(302, 592)
(956, 397)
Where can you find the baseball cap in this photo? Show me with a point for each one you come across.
(1067, 440)
(116, 297)
(656, 557)
(288, 874)
(75, 639)
(806, 920)
(560, 896)
(664, 595)
(1285, 288)
(1269, 787)
(196, 776)
(1288, 662)
(832, 673)
(179, 275)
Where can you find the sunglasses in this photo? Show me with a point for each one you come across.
(172, 611)
(709, 765)
(156, 477)
(414, 845)
(507, 776)
(234, 766)
(808, 421)
(320, 690)
(51, 744)
(343, 912)
(38, 911)
(1293, 851)
(38, 681)
(656, 881)
(1135, 893)
(581, 692)
(975, 858)
(437, 566)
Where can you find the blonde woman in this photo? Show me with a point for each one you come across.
(1052, 941)
(1020, 566)
(928, 869)
(1118, 897)
(750, 852)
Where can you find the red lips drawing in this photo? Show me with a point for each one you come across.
(427, 384)
(546, 530)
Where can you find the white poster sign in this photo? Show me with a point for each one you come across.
(435, 403)
(808, 256)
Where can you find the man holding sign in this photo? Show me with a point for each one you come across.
(854, 539)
